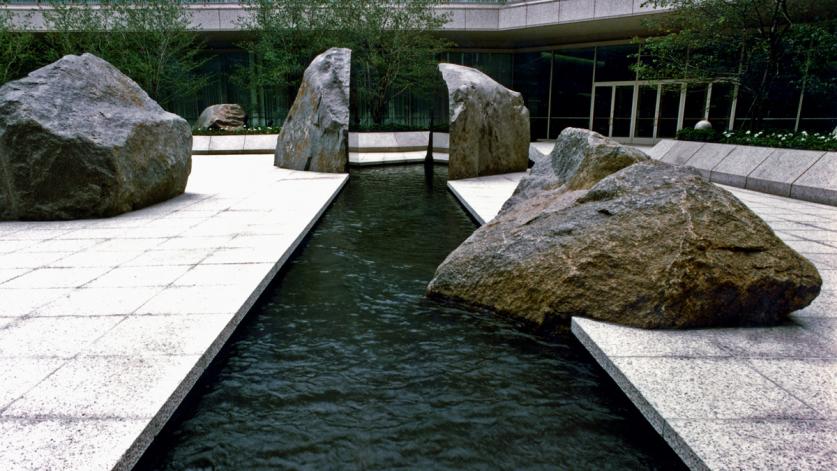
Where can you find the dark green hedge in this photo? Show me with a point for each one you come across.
(783, 139)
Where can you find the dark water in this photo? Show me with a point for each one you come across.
(345, 365)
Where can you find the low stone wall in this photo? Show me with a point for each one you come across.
(241, 144)
(800, 174)
(365, 148)
(382, 148)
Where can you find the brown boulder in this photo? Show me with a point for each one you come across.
(226, 117)
(578, 161)
(651, 246)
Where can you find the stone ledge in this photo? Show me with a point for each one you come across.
(799, 174)
(235, 144)
(408, 141)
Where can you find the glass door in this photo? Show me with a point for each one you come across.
(602, 109)
(622, 114)
(613, 111)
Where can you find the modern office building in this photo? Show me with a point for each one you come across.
(569, 58)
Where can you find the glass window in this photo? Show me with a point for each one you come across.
(613, 63)
(601, 110)
(531, 78)
(646, 110)
(695, 104)
(572, 82)
(720, 105)
(669, 109)
(819, 112)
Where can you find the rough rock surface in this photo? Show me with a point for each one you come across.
(578, 161)
(226, 117)
(315, 135)
(652, 246)
(489, 125)
(80, 139)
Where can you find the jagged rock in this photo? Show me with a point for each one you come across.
(315, 135)
(652, 246)
(226, 117)
(80, 139)
(579, 159)
(535, 156)
(489, 125)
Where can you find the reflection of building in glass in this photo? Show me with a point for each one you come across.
(569, 58)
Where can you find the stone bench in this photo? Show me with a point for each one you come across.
(800, 174)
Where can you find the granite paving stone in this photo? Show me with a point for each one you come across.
(134, 276)
(810, 380)
(676, 388)
(779, 171)
(52, 337)
(56, 278)
(759, 444)
(818, 183)
(739, 163)
(105, 386)
(98, 342)
(681, 152)
(709, 156)
(153, 335)
(20, 375)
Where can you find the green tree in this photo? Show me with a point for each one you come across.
(17, 47)
(756, 44)
(393, 46)
(150, 41)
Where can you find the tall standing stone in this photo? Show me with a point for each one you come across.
(489, 125)
(315, 135)
(80, 139)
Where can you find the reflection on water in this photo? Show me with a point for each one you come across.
(345, 365)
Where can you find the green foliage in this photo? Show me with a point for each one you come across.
(756, 44)
(18, 52)
(393, 48)
(243, 131)
(395, 127)
(394, 51)
(286, 36)
(782, 139)
(151, 41)
(701, 135)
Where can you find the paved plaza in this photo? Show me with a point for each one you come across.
(745, 398)
(105, 325)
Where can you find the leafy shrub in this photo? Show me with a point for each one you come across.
(393, 127)
(239, 132)
(802, 140)
(701, 135)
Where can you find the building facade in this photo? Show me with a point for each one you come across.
(571, 60)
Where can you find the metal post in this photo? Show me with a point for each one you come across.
(593, 86)
(681, 111)
(708, 101)
(549, 104)
(657, 111)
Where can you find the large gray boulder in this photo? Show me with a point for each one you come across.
(80, 139)
(489, 125)
(579, 159)
(226, 117)
(315, 135)
(652, 245)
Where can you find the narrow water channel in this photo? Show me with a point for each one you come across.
(345, 365)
